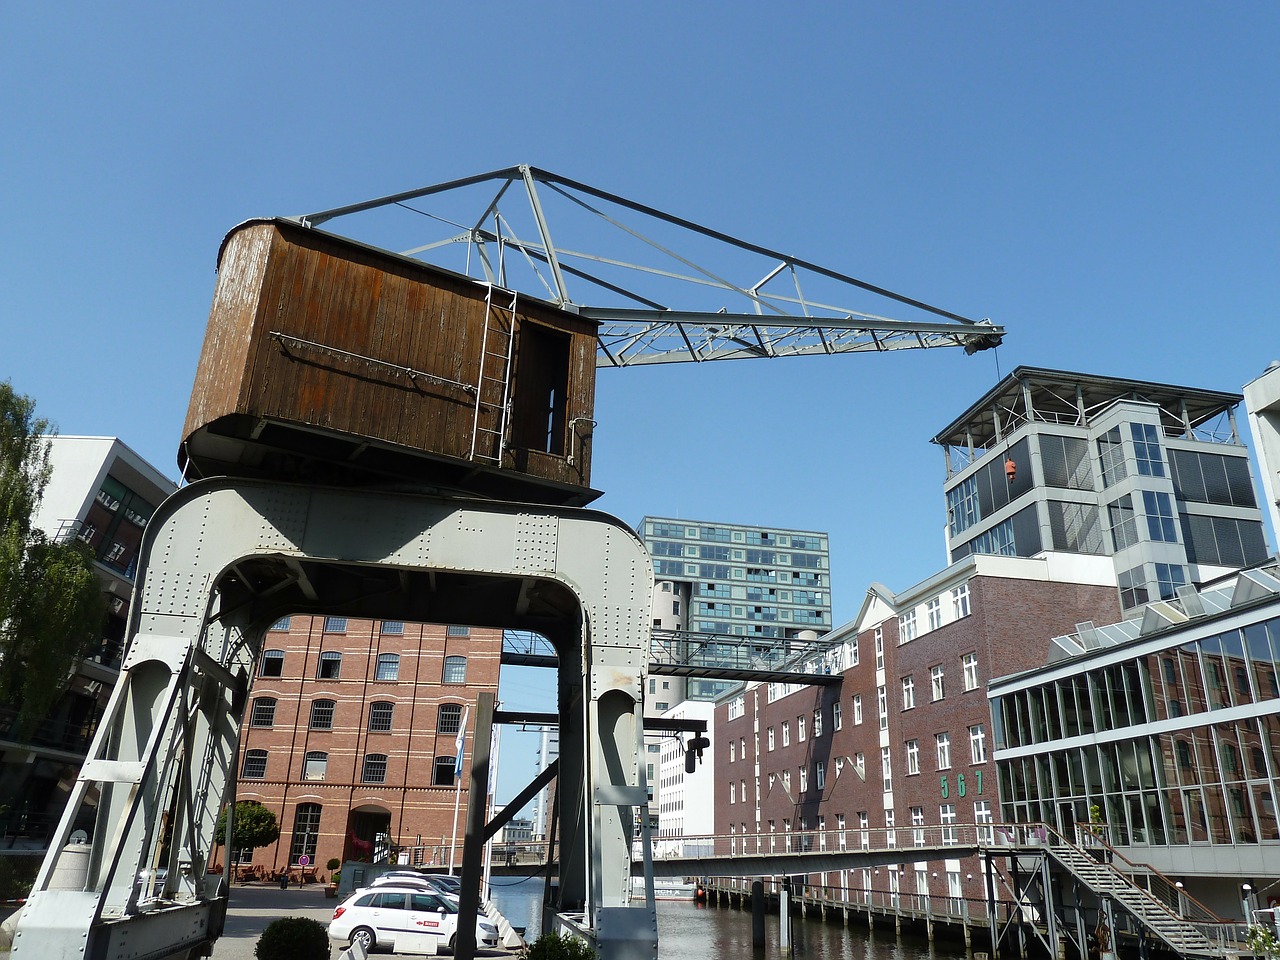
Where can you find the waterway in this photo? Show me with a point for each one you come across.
(687, 930)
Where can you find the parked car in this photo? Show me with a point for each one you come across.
(418, 881)
(373, 917)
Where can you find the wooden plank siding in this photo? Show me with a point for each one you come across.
(306, 364)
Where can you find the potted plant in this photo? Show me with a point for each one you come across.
(335, 874)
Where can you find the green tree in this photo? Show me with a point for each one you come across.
(255, 826)
(51, 602)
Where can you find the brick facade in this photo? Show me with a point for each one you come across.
(359, 816)
(1007, 629)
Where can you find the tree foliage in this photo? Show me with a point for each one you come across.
(51, 602)
(255, 826)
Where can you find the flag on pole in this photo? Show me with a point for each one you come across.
(459, 743)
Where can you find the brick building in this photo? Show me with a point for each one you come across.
(350, 736)
(905, 740)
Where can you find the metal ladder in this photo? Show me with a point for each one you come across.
(496, 350)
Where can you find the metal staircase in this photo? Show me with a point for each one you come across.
(1104, 880)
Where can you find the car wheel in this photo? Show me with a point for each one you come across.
(365, 937)
(452, 940)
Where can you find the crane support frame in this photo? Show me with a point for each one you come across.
(223, 559)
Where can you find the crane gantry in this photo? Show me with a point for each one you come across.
(462, 370)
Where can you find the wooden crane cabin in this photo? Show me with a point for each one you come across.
(329, 361)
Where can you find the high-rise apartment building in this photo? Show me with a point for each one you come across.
(737, 582)
(1152, 475)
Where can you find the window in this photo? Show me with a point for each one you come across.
(908, 693)
(786, 781)
(835, 715)
(375, 768)
(742, 747)
(817, 722)
(978, 743)
(450, 720)
(1111, 453)
(455, 631)
(960, 601)
(392, 626)
(804, 779)
(882, 707)
(321, 715)
(906, 629)
(970, 664)
(799, 729)
(272, 663)
(1169, 577)
(442, 772)
(947, 816)
(935, 682)
(913, 757)
(1123, 522)
(879, 635)
(329, 666)
(264, 712)
(306, 831)
(1160, 523)
(732, 751)
(934, 612)
(1133, 588)
(820, 775)
(380, 715)
(335, 624)
(786, 733)
(662, 705)
(314, 765)
(388, 667)
(944, 750)
(982, 817)
(886, 769)
(281, 624)
(771, 738)
(1146, 448)
(455, 670)
(732, 792)
(857, 709)
(255, 765)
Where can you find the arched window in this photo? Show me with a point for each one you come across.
(264, 712)
(315, 765)
(306, 831)
(272, 663)
(380, 717)
(330, 665)
(375, 768)
(255, 765)
(322, 714)
(450, 718)
(388, 667)
(455, 670)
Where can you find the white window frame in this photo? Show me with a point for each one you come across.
(913, 757)
(908, 693)
(978, 743)
(943, 743)
(970, 664)
(937, 682)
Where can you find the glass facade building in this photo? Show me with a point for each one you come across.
(1154, 476)
(1169, 725)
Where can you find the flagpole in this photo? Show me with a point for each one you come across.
(460, 747)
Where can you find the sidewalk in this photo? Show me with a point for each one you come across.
(254, 905)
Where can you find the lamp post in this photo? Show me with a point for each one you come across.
(1246, 895)
(1182, 899)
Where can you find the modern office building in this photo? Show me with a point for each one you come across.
(1152, 475)
(102, 493)
(1169, 725)
(736, 584)
(1262, 399)
(686, 815)
(905, 740)
(351, 737)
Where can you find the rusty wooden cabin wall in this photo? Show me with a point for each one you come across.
(280, 284)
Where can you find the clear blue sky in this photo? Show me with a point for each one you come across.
(1100, 178)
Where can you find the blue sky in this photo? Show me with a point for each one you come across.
(1097, 177)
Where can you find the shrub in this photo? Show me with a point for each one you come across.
(293, 938)
(334, 863)
(17, 874)
(555, 946)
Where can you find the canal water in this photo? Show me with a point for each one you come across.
(688, 931)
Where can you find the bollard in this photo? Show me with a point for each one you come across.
(757, 914)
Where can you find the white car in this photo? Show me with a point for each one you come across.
(374, 917)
